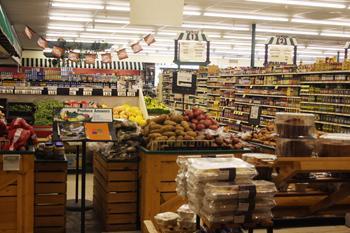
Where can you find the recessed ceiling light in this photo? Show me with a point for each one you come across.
(246, 16)
(303, 3)
(77, 6)
(70, 18)
(286, 31)
(321, 22)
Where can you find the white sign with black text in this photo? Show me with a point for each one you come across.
(192, 51)
(281, 54)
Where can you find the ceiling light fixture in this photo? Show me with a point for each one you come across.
(321, 22)
(244, 37)
(334, 34)
(245, 16)
(68, 28)
(77, 6)
(167, 33)
(303, 3)
(284, 31)
(70, 18)
(192, 13)
(127, 31)
(116, 21)
(325, 48)
(206, 26)
(118, 8)
(66, 14)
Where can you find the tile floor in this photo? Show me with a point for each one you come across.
(92, 226)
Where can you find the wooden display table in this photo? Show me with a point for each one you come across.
(158, 170)
(17, 195)
(312, 202)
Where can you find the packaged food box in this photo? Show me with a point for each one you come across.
(334, 145)
(295, 125)
(167, 219)
(295, 147)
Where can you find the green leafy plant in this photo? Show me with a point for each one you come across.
(44, 111)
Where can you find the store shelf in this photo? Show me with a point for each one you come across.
(327, 113)
(213, 94)
(295, 73)
(263, 85)
(323, 103)
(228, 98)
(325, 82)
(268, 116)
(331, 123)
(268, 106)
(273, 96)
(334, 95)
(232, 119)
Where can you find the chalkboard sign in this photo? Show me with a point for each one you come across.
(254, 115)
(184, 82)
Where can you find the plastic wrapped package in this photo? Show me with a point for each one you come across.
(194, 203)
(295, 125)
(167, 219)
(230, 190)
(210, 169)
(229, 217)
(334, 145)
(253, 157)
(186, 213)
(218, 206)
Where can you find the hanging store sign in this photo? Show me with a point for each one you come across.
(184, 83)
(281, 54)
(192, 48)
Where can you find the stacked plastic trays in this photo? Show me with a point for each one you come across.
(296, 134)
(221, 190)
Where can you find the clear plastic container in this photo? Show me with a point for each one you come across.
(218, 206)
(334, 145)
(227, 190)
(167, 219)
(209, 169)
(230, 217)
(295, 147)
(295, 125)
(253, 157)
(186, 213)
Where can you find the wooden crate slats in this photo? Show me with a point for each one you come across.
(168, 170)
(8, 218)
(167, 186)
(50, 196)
(115, 194)
(9, 191)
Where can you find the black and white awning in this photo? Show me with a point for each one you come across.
(282, 40)
(192, 35)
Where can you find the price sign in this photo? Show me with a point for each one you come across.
(87, 91)
(131, 93)
(281, 54)
(52, 90)
(11, 162)
(107, 92)
(184, 82)
(121, 93)
(192, 51)
(73, 91)
(254, 116)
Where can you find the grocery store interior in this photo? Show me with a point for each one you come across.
(174, 116)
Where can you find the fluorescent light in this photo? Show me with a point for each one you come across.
(126, 31)
(70, 18)
(308, 52)
(65, 28)
(332, 53)
(114, 21)
(245, 16)
(77, 6)
(167, 33)
(118, 8)
(206, 26)
(284, 31)
(321, 22)
(61, 35)
(55, 39)
(213, 36)
(334, 34)
(192, 13)
(244, 37)
(324, 48)
(101, 37)
(66, 14)
(232, 52)
(303, 3)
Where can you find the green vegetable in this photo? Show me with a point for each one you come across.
(45, 110)
(20, 108)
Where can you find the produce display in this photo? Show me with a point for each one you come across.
(83, 104)
(131, 113)
(266, 135)
(45, 111)
(154, 106)
(194, 129)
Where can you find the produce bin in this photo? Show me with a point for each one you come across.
(116, 193)
(158, 170)
(17, 194)
(50, 196)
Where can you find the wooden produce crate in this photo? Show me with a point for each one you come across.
(50, 196)
(116, 194)
(158, 170)
(17, 195)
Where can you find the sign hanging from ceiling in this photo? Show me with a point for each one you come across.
(184, 82)
(156, 12)
(192, 48)
(281, 54)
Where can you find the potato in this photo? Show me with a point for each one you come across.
(161, 138)
(179, 127)
(191, 133)
(200, 137)
(154, 135)
(180, 132)
(167, 128)
(180, 137)
(146, 130)
(160, 119)
(154, 126)
(176, 118)
(169, 134)
(155, 131)
(219, 141)
(187, 137)
(185, 124)
(169, 122)
(172, 138)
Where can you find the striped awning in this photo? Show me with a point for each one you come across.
(282, 40)
(192, 35)
(347, 45)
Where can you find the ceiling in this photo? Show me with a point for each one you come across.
(321, 27)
